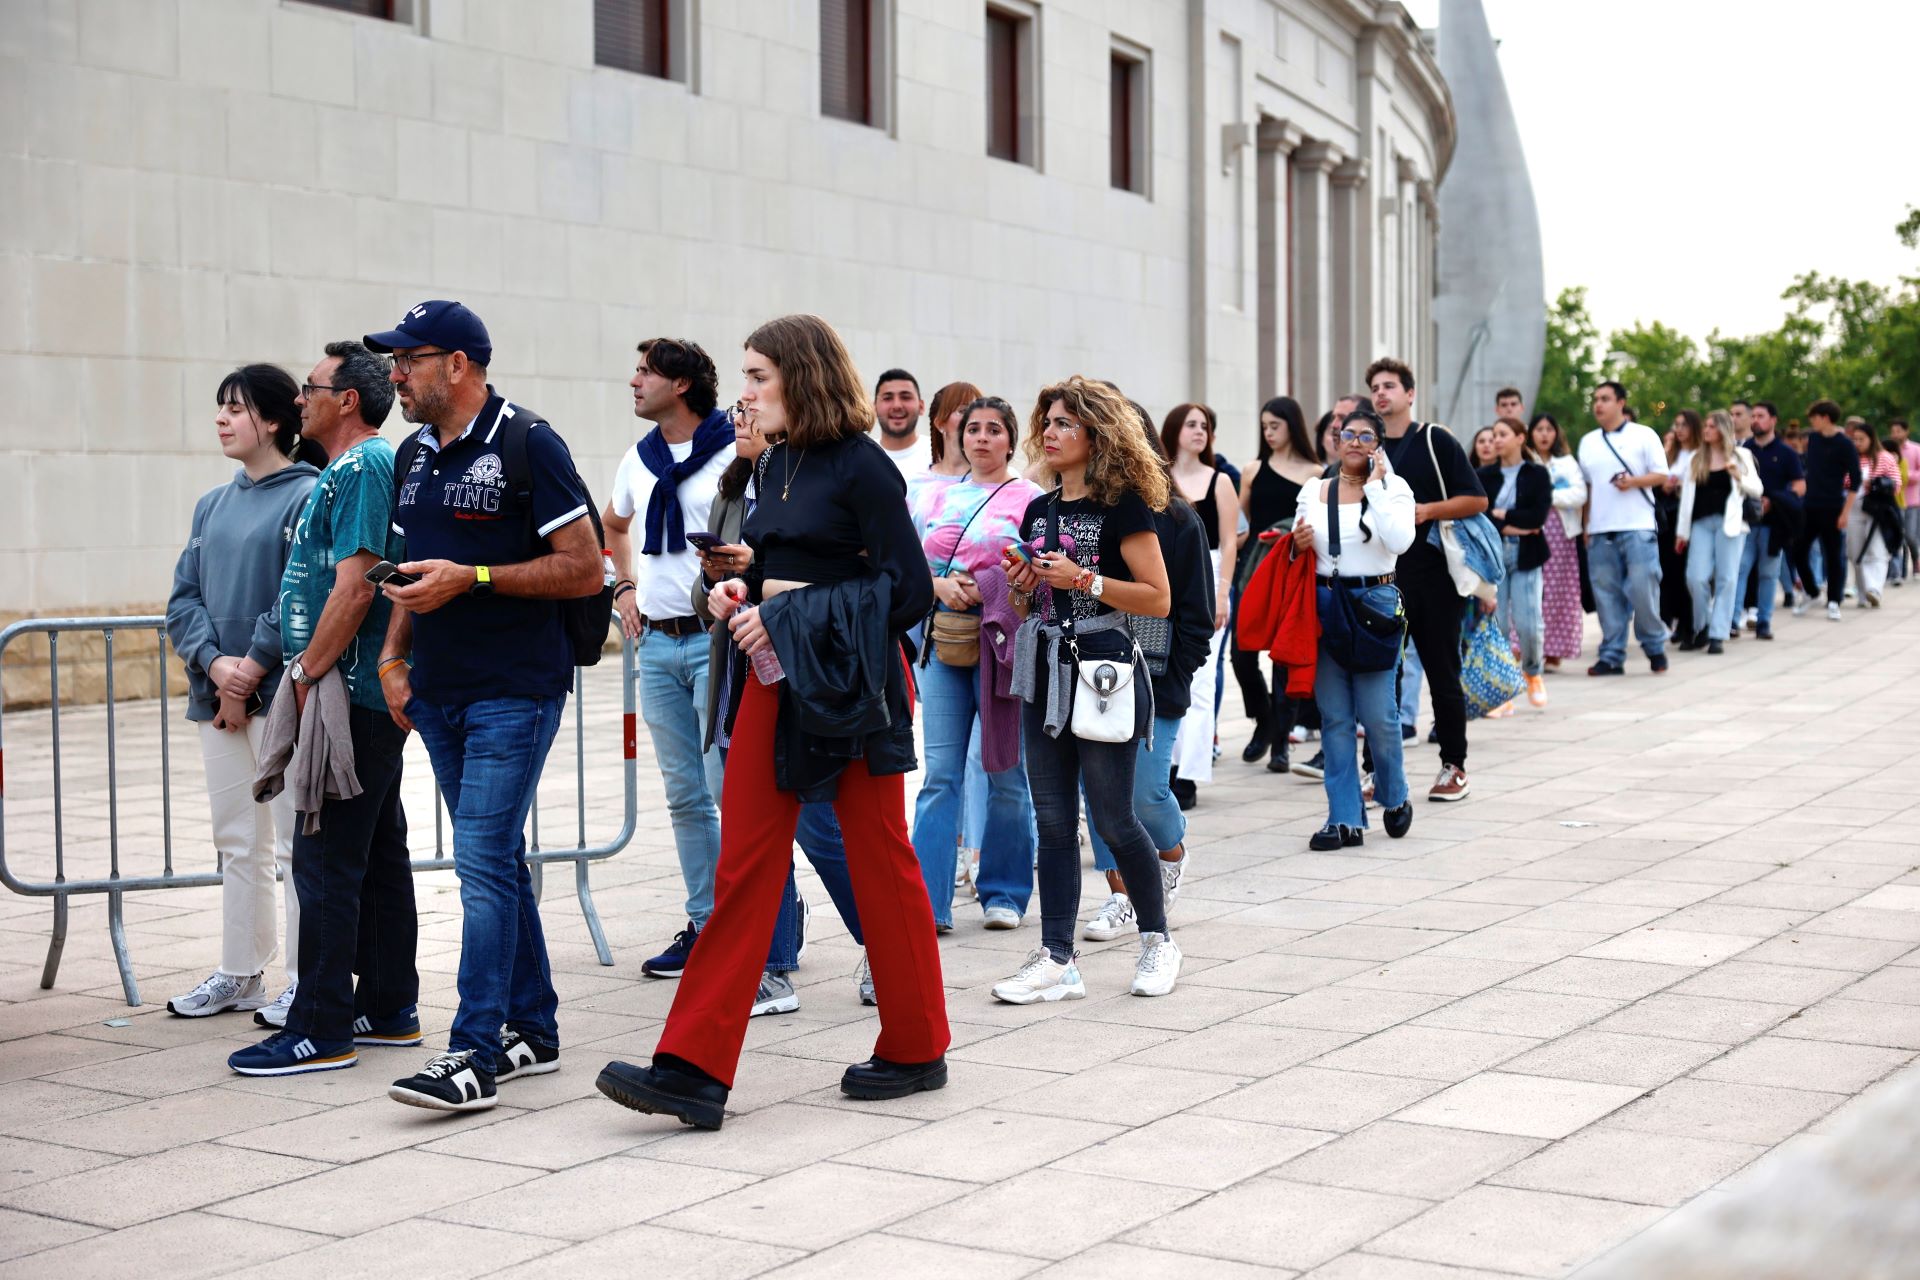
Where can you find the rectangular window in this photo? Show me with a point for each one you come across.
(1128, 115)
(634, 35)
(1013, 98)
(365, 8)
(846, 60)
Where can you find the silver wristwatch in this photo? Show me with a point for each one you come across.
(300, 676)
(1099, 585)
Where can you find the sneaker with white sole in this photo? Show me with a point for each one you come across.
(401, 1030)
(1159, 965)
(863, 980)
(449, 1082)
(1112, 920)
(775, 995)
(520, 1056)
(1833, 611)
(1042, 979)
(806, 927)
(275, 1014)
(290, 1053)
(1173, 875)
(219, 993)
(966, 873)
(1001, 918)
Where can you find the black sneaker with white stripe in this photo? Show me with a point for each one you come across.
(449, 1082)
(520, 1056)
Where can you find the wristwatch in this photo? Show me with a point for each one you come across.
(482, 581)
(300, 676)
(1099, 585)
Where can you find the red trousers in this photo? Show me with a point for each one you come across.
(757, 823)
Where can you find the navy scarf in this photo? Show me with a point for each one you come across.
(666, 524)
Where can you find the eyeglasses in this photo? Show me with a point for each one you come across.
(404, 361)
(308, 388)
(1359, 437)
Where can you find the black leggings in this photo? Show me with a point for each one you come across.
(1822, 525)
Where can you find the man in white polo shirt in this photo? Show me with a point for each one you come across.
(1623, 462)
(666, 483)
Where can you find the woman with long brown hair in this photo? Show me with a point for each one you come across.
(1676, 601)
(1560, 607)
(1186, 437)
(838, 578)
(1090, 561)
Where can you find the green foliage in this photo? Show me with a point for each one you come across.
(1852, 340)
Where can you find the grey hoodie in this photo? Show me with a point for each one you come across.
(226, 586)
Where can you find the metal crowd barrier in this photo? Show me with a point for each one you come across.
(116, 885)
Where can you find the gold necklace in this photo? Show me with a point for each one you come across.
(793, 469)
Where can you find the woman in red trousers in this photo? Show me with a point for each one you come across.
(821, 710)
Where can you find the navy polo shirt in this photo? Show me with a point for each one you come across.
(1778, 466)
(456, 504)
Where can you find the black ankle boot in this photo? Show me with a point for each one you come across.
(877, 1078)
(1257, 744)
(1282, 726)
(670, 1087)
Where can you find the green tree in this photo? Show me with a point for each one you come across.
(1571, 363)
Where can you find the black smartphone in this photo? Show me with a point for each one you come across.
(385, 572)
(706, 541)
(256, 703)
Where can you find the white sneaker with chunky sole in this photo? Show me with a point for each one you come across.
(1159, 966)
(219, 993)
(1042, 980)
(1114, 919)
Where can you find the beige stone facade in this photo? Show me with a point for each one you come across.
(189, 184)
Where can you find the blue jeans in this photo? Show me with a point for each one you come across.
(1410, 675)
(487, 758)
(950, 713)
(673, 702)
(1714, 577)
(1625, 569)
(1759, 550)
(1345, 697)
(1056, 769)
(1153, 801)
(1519, 610)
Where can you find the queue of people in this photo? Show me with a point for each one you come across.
(1051, 595)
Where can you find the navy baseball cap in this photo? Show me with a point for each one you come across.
(439, 323)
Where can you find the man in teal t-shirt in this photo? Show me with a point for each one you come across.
(354, 874)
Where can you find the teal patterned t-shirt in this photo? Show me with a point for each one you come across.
(347, 513)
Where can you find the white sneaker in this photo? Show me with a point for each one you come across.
(966, 870)
(1002, 918)
(863, 980)
(776, 995)
(275, 1014)
(806, 927)
(1752, 619)
(1296, 735)
(1800, 605)
(1113, 919)
(1042, 978)
(1159, 966)
(1173, 875)
(1833, 611)
(219, 993)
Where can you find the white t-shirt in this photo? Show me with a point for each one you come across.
(664, 583)
(913, 460)
(1620, 510)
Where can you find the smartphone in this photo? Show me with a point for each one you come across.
(385, 572)
(1018, 551)
(706, 542)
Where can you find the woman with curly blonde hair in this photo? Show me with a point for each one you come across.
(1090, 561)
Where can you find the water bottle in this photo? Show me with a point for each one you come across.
(606, 567)
(766, 665)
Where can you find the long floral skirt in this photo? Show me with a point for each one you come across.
(1560, 592)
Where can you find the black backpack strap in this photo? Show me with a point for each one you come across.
(402, 467)
(514, 423)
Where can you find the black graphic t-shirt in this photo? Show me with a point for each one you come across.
(1097, 532)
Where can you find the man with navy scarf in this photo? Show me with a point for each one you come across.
(667, 483)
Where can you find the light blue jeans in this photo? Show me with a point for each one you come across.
(1625, 568)
(1759, 550)
(1411, 673)
(673, 702)
(950, 716)
(1153, 801)
(1347, 697)
(1519, 612)
(1714, 577)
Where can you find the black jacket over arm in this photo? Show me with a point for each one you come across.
(1532, 508)
(1183, 545)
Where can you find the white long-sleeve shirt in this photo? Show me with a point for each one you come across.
(1389, 517)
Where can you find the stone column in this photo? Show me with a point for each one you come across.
(1313, 298)
(1277, 140)
(1406, 304)
(1352, 312)
(1429, 224)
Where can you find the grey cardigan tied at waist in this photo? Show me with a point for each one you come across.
(1027, 643)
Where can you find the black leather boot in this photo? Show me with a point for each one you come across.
(1281, 723)
(878, 1078)
(667, 1088)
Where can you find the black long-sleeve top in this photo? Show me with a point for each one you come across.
(1532, 506)
(1183, 546)
(1833, 470)
(821, 507)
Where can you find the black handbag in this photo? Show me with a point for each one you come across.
(1353, 631)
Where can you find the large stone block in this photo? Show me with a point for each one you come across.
(467, 86)
(313, 54)
(80, 308)
(227, 44)
(537, 101)
(312, 234)
(390, 68)
(16, 276)
(130, 35)
(357, 152)
(508, 170)
(468, 252)
(271, 140)
(119, 400)
(393, 242)
(39, 205)
(433, 164)
(128, 215)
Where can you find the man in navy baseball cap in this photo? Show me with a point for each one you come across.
(439, 323)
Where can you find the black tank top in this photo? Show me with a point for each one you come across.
(1273, 499)
(1208, 509)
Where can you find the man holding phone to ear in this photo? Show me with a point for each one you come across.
(353, 875)
(667, 484)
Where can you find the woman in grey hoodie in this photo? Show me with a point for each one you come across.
(223, 623)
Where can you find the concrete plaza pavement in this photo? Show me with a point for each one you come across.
(1665, 953)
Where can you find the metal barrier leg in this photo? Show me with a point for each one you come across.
(584, 891)
(539, 880)
(117, 930)
(59, 943)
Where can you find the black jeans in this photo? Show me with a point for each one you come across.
(355, 881)
(1434, 611)
(1055, 769)
(1821, 524)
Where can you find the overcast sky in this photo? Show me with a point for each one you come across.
(1690, 157)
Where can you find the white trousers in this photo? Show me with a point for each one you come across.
(1193, 749)
(251, 840)
(1870, 569)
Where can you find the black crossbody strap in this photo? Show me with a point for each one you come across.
(1332, 493)
(1604, 439)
